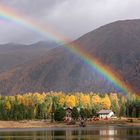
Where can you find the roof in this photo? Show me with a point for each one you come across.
(69, 108)
(104, 111)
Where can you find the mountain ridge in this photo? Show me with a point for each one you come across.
(116, 45)
(12, 54)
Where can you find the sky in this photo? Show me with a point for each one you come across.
(69, 18)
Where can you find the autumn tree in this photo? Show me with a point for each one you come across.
(7, 105)
(96, 99)
(105, 102)
(115, 103)
(70, 101)
(85, 100)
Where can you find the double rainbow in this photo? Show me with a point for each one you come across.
(11, 15)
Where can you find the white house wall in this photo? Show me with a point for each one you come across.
(106, 115)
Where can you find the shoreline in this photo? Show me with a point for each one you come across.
(30, 124)
(30, 129)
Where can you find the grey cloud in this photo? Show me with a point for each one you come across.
(76, 17)
(31, 7)
(71, 18)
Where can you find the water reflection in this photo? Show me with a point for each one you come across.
(93, 133)
(108, 132)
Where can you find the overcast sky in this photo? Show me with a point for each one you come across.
(70, 18)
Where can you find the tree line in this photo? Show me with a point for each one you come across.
(43, 106)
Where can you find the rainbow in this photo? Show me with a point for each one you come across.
(9, 14)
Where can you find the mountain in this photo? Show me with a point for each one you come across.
(116, 45)
(12, 54)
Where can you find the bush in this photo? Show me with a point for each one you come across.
(85, 113)
(59, 114)
(75, 113)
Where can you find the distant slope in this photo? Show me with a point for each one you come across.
(116, 45)
(12, 54)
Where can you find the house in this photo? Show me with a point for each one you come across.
(105, 113)
(68, 115)
(68, 112)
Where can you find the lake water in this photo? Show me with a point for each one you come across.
(89, 133)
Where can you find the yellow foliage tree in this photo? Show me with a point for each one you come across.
(85, 100)
(70, 101)
(96, 99)
(39, 98)
(62, 100)
(7, 105)
(105, 102)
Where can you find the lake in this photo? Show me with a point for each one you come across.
(77, 133)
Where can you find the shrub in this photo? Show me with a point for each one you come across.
(59, 114)
(75, 113)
